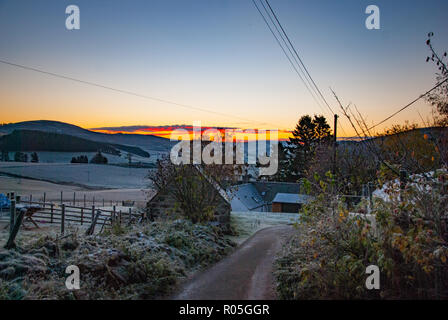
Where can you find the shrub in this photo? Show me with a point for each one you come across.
(409, 244)
(20, 157)
(34, 157)
(99, 159)
(80, 159)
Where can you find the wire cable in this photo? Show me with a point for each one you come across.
(286, 54)
(127, 92)
(408, 105)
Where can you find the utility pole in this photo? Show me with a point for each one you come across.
(334, 142)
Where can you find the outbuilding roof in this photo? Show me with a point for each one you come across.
(291, 198)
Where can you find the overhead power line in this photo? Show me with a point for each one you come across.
(309, 85)
(56, 75)
(301, 62)
(408, 105)
(309, 82)
(286, 54)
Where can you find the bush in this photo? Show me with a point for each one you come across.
(99, 159)
(80, 159)
(20, 157)
(34, 157)
(409, 244)
(133, 262)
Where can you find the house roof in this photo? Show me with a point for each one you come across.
(269, 189)
(247, 195)
(291, 198)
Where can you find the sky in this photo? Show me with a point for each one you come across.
(214, 55)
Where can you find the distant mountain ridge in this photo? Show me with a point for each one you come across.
(146, 142)
(32, 140)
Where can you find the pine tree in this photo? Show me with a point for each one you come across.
(299, 151)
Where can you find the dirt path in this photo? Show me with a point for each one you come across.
(246, 274)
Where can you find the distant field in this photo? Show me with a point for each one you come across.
(89, 175)
(52, 191)
(66, 157)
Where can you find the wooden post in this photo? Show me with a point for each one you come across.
(119, 216)
(93, 200)
(82, 215)
(93, 212)
(12, 218)
(45, 198)
(10, 244)
(335, 142)
(74, 198)
(31, 198)
(63, 219)
(91, 229)
(113, 214)
(130, 214)
(51, 213)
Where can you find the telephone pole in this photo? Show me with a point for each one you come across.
(334, 142)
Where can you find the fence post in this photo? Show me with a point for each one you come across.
(93, 200)
(45, 198)
(113, 214)
(130, 214)
(10, 244)
(74, 198)
(63, 219)
(51, 213)
(31, 198)
(12, 218)
(91, 229)
(93, 212)
(82, 215)
(119, 216)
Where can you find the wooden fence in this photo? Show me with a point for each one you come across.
(61, 213)
(41, 213)
(77, 199)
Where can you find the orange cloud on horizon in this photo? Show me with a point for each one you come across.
(166, 132)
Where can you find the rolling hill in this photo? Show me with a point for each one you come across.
(32, 140)
(145, 142)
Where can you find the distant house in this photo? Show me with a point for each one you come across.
(289, 202)
(258, 196)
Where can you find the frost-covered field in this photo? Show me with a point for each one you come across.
(91, 175)
(66, 157)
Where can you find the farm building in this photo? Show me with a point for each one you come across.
(289, 202)
(258, 196)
